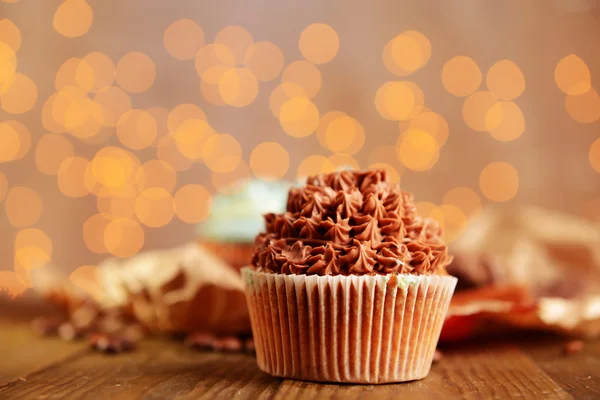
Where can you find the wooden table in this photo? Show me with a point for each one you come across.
(48, 368)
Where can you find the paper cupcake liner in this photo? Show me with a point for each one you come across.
(359, 329)
(237, 255)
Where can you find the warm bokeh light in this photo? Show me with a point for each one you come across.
(135, 72)
(464, 198)
(211, 58)
(427, 209)
(284, 93)
(476, 109)
(71, 177)
(385, 153)
(93, 232)
(299, 117)
(265, 60)
(182, 112)
(231, 182)
(10, 34)
(505, 121)
(10, 143)
(161, 116)
(183, 39)
(417, 150)
(23, 206)
(33, 248)
(392, 171)
(505, 80)
(313, 165)
(304, 74)
(114, 103)
(192, 203)
(269, 161)
(154, 207)
(584, 108)
(237, 39)
(123, 237)
(406, 53)
(191, 136)
(18, 95)
(168, 151)
(66, 75)
(51, 151)
(103, 70)
(452, 220)
(344, 134)
(595, 155)
(399, 100)
(461, 76)
(432, 123)
(499, 181)
(156, 174)
(83, 117)
(112, 168)
(86, 279)
(572, 75)
(73, 18)
(3, 186)
(222, 152)
(238, 87)
(319, 43)
(11, 283)
(137, 129)
(344, 161)
(121, 206)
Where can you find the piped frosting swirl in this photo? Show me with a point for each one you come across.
(350, 223)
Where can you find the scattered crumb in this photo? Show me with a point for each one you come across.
(437, 356)
(111, 344)
(22, 379)
(573, 346)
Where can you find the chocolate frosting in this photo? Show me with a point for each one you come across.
(350, 223)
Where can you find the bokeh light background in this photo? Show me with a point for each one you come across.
(120, 119)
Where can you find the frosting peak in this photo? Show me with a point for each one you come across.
(350, 223)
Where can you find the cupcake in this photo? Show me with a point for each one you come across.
(349, 284)
(236, 219)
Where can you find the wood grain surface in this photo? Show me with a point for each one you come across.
(48, 368)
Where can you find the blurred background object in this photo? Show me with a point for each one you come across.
(120, 120)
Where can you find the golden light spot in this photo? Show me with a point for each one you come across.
(168, 151)
(211, 56)
(73, 98)
(192, 203)
(464, 198)
(83, 117)
(23, 206)
(123, 237)
(505, 120)
(137, 129)
(299, 117)
(233, 181)
(73, 18)
(211, 93)
(591, 209)
(417, 150)
(595, 155)
(269, 161)
(10, 143)
(8, 66)
(304, 74)
(156, 174)
(236, 39)
(191, 137)
(343, 161)
(10, 34)
(282, 94)
(505, 80)
(10, 282)
(264, 60)
(476, 109)
(48, 121)
(103, 70)
(319, 43)
(406, 53)
(183, 39)
(452, 220)
(391, 170)
(324, 121)
(86, 279)
(461, 76)
(24, 137)
(313, 165)
(19, 95)
(3, 186)
(135, 72)
(584, 108)
(572, 75)
(238, 87)
(121, 205)
(33, 248)
(427, 209)
(67, 71)
(71, 177)
(154, 207)
(93, 232)
(161, 116)
(50, 152)
(399, 100)
(222, 152)
(344, 135)
(432, 123)
(114, 103)
(112, 168)
(183, 112)
(499, 181)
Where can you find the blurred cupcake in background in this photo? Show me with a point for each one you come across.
(237, 218)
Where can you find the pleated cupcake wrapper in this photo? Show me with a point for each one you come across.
(361, 329)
